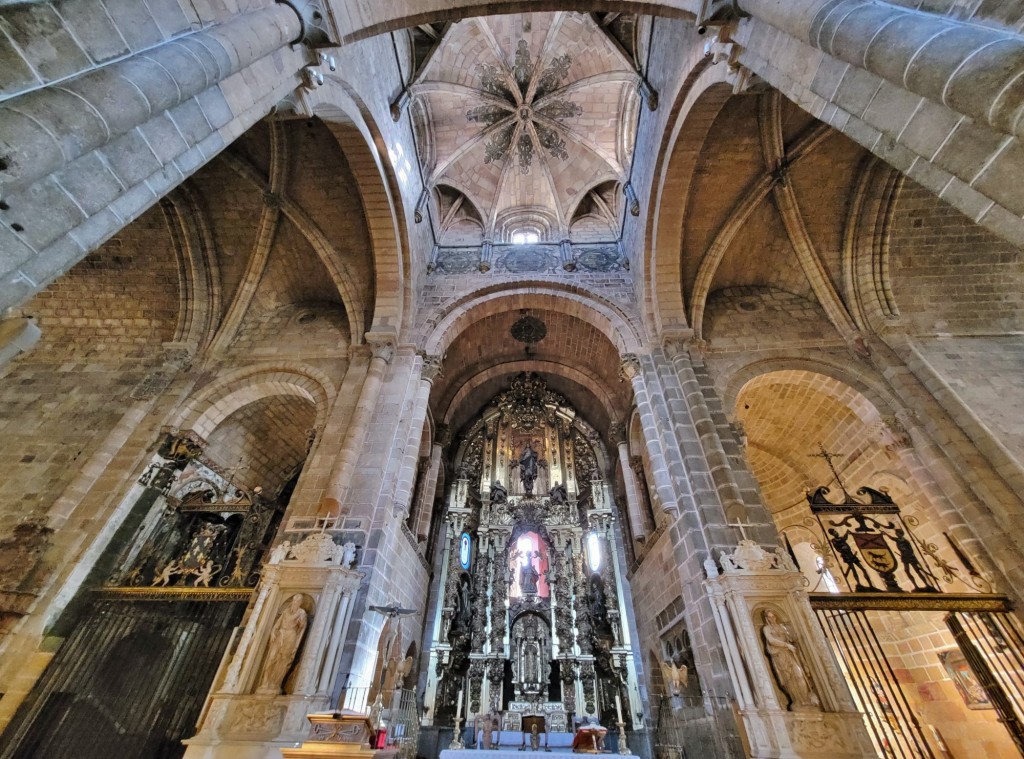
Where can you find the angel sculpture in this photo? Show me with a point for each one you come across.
(675, 677)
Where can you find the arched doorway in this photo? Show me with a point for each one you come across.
(891, 574)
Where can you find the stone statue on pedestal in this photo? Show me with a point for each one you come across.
(780, 644)
(285, 637)
(499, 493)
(527, 468)
(559, 494)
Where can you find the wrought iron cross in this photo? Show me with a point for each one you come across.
(829, 456)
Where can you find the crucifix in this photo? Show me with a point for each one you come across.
(739, 526)
(829, 456)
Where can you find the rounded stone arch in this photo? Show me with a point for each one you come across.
(216, 402)
(884, 402)
(587, 380)
(701, 96)
(358, 137)
(381, 18)
(607, 318)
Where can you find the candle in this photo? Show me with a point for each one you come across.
(618, 706)
(458, 706)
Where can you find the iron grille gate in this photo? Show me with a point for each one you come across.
(894, 728)
(994, 649)
(128, 682)
(991, 642)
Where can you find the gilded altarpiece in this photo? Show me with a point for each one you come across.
(529, 619)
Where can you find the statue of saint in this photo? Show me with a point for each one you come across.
(528, 468)
(348, 555)
(499, 493)
(785, 660)
(464, 607)
(598, 602)
(528, 575)
(280, 552)
(395, 674)
(285, 637)
(559, 494)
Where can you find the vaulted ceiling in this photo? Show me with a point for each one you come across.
(523, 122)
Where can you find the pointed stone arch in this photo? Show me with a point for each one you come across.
(701, 96)
(359, 139)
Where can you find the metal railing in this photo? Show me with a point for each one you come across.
(395, 713)
(690, 728)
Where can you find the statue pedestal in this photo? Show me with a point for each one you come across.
(790, 693)
(242, 718)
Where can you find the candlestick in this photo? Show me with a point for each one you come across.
(623, 748)
(457, 744)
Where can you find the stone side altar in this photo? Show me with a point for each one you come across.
(791, 695)
(287, 655)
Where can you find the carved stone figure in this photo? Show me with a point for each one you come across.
(784, 656)
(528, 469)
(348, 555)
(499, 493)
(559, 494)
(285, 637)
(528, 575)
(675, 677)
(395, 673)
(280, 552)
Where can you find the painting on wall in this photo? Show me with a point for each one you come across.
(963, 677)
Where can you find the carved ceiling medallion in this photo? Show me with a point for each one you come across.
(528, 120)
(529, 330)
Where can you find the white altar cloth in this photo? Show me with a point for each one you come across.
(514, 739)
(516, 754)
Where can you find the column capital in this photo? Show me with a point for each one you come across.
(630, 367)
(676, 342)
(382, 345)
(895, 433)
(432, 367)
(617, 432)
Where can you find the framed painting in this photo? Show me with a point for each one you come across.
(963, 677)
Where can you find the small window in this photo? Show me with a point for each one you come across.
(594, 552)
(525, 236)
(830, 581)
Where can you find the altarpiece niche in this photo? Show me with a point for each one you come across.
(531, 612)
